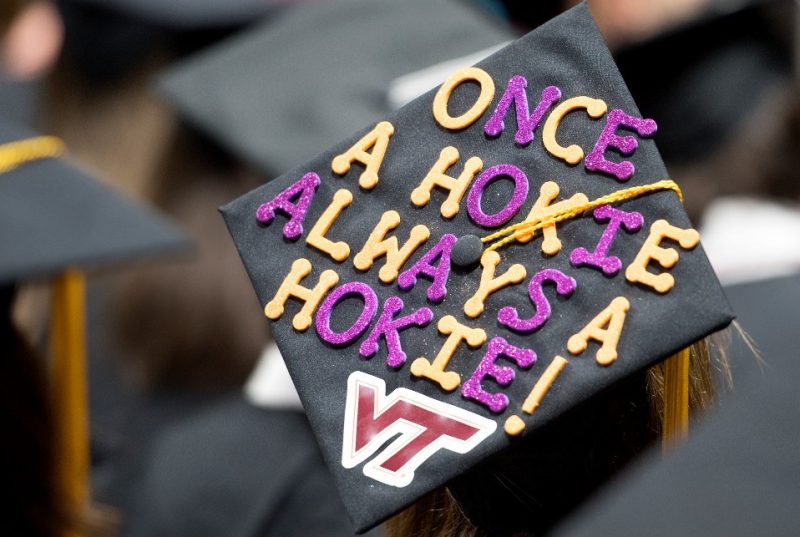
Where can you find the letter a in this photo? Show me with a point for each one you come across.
(293, 202)
(378, 140)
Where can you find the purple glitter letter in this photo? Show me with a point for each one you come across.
(526, 124)
(610, 265)
(302, 191)
(503, 375)
(565, 285)
(512, 207)
(596, 160)
(337, 295)
(388, 327)
(439, 273)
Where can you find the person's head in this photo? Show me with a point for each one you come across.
(31, 35)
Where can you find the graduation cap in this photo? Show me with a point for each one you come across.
(188, 14)
(295, 85)
(55, 224)
(105, 39)
(464, 272)
(677, 75)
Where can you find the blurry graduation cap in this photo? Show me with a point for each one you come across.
(55, 223)
(437, 284)
(106, 38)
(738, 474)
(190, 13)
(54, 216)
(286, 90)
(682, 75)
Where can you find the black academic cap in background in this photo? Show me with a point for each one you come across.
(414, 360)
(683, 75)
(53, 216)
(286, 90)
(189, 14)
(105, 39)
(738, 473)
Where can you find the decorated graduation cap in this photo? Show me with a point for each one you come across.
(463, 272)
(239, 92)
(56, 223)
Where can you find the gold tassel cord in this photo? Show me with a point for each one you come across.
(14, 154)
(510, 233)
(69, 389)
(676, 400)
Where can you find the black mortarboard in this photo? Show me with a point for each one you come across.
(738, 474)
(413, 360)
(297, 84)
(55, 223)
(678, 75)
(54, 216)
(189, 14)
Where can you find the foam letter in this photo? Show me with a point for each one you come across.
(489, 284)
(339, 251)
(526, 124)
(388, 328)
(378, 245)
(614, 318)
(666, 257)
(573, 154)
(610, 265)
(596, 160)
(474, 208)
(293, 202)
(544, 208)
(439, 254)
(503, 375)
(456, 332)
(509, 317)
(377, 138)
(310, 297)
(456, 186)
(469, 117)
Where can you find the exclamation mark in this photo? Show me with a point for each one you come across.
(514, 424)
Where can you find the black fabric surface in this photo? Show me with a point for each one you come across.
(236, 470)
(567, 52)
(53, 215)
(738, 474)
(281, 93)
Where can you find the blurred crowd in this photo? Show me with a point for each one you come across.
(184, 105)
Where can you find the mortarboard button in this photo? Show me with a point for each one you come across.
(467, 251)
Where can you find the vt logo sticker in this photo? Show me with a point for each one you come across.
(424, 426)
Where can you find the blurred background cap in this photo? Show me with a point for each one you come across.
(107, 38)
(704, 77)
(282, 92)
(54, 215)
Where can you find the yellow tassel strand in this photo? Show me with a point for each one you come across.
(14, 154)
(510, 233)
(676, 400)
(68, 355)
